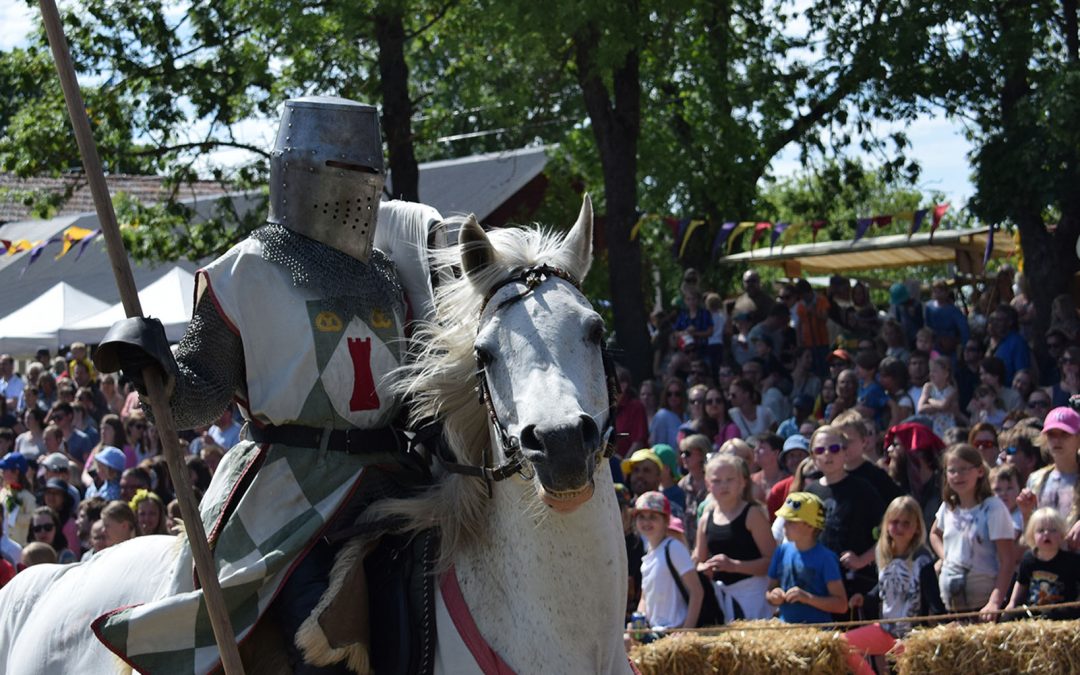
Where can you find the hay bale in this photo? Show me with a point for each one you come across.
(750, 651)
(1032, 646)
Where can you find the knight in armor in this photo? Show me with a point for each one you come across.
(300, 324)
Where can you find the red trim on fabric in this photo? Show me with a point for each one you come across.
(215, 531)
(95, 626)
(487, 658)
(213, 299)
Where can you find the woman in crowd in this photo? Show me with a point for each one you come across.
(733, 543)
(47, 530)
(135, 432)
(746, 411)
(984, 438)
(803, 380)
(912, 452)
(992, 374)
(1069, 383)
(58, 497)
(149, 513)
(699, 422)
(973, 537)
(31, 442)
(693, 451)
(112, 394)
(716, 408)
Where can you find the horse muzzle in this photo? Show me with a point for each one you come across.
(564, 455)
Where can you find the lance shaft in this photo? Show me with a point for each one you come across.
(152, 375)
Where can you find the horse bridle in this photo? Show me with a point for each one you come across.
(515, 462)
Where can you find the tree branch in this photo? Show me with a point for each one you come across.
(204, 146)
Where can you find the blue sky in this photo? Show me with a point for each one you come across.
(937, 142)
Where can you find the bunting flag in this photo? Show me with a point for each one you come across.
(694, 224)
(5, 243)
(882, 221)
(817, 225)
(86, 242)
(916, 221)
(777, 231)
(19, 246)
(939, 211)
(721, 236)
(72, 235)
(989, 245)
(790, 232)
(679, 231)
(759, 231)
(739, 229)
(861, 226)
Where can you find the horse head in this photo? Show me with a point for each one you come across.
(538, 350)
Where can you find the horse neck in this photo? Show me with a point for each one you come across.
(549, 588)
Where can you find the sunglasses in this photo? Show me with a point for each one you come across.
(833, 449)
(1039, 404)
(1011, 450)
(696, 401)
(686, 453)
(47, 527)
(713, 401)
(984, 444)
(137, 426)
(1054, 345)
(674, 394)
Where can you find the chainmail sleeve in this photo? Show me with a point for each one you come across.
(210, 359)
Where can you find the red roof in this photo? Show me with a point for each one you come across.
(147, 189)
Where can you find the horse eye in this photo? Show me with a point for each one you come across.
(483, 356)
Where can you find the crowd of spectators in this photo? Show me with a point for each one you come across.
(82, 464)
(798, 400)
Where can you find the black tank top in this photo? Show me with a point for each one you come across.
(734, 541)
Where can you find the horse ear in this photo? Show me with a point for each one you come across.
(476, 249)
(579, 241)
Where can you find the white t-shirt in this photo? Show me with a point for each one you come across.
(719, 322)
(1057, 490)
(664, 606)
(747, 428)
(969, 534)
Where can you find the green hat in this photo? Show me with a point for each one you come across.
(642, 455)
(667, 455)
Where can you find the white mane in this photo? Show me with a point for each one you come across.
(440, 379)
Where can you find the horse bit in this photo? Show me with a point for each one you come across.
(515, 462)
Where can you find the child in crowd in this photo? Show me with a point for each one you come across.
(973, 536)
(18, 499)
(854, 511)
(109, 464)
(940, 399)
(986, 406)
(1047, 575)
(1005, 482)
(37, 553)
(804, 576)
(734, 545)
(661, 602)
(854, 428)
(119, 522)
(901, 557)
(1053, 485)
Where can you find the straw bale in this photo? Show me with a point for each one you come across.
(754, 651)
(1031, 646)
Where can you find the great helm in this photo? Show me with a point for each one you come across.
(326, 172)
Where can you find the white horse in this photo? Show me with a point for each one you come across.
(533, 577)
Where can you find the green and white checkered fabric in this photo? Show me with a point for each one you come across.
(293, 495)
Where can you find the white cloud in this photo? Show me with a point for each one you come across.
(17, 20)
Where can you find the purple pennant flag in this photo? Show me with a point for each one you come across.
(38, 249)
(721, 237)
(989, 245)
(86, 242)
(777, 230)
(861, 226)
(916, 222)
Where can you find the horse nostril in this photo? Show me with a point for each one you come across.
(529, 439)
(590, 434)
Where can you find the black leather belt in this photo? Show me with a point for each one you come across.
(351, 441)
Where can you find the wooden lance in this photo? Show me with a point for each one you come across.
(152, 375)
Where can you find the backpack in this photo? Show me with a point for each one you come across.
(710, 614)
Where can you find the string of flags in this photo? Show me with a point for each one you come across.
(67, 239)
(782, 232)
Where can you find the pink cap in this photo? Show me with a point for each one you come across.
(677, 525)
(1064, 418)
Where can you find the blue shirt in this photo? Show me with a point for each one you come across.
(1016, 355)
(108, 491)
(947, 320)
(810, 570)
(665, 428)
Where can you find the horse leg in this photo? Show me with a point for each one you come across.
(263, 650)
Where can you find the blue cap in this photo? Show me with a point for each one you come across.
(898, 294)
(111, 457)
(14, 460)
(795, 442)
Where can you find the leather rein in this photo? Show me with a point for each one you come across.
(515, 462)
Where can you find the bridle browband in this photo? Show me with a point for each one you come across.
(515, 462)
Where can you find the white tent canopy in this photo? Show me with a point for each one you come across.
(37, 324)
(168, 299)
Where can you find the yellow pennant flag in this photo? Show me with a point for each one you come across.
(19, 246)
(636, 229)
(739, 229)
(694, 224)
(790, 232)
(72, 235)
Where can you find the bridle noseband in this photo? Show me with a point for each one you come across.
(515, 462)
